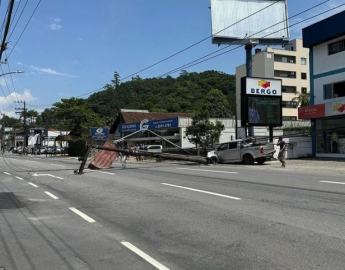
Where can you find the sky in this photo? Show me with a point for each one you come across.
(71, 47)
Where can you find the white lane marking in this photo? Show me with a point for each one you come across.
(36, 174)
(81, 214)
(51, 195)
(88, 170)
(206, 170)
(19, 178)
(108, 173)
(203, 191)
(57, 165)
(31, 166)
(7, 173)
(330, 182)
(143, 255)
(32, 184)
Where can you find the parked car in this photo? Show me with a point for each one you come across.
(51, 150)
(153, 148)
(247, 151)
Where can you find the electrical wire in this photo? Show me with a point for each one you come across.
(3, 22)
(15, 13)
(190, 64)
(197, 63)
(24, 28)
(8, 89)
(9, 71)
(18, 19)
(200, 41)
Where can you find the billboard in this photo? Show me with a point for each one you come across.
(100, 133)
(252, 19)
(264, 110)
(151, 125)
(261, 102)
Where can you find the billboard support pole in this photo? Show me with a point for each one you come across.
(271, 133)
(249, 67)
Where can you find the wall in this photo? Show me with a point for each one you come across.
(298, 147)
(319, 90)
(324, 62)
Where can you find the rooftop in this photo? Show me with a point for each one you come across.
(325, 30)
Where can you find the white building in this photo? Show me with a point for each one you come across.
(326, 41)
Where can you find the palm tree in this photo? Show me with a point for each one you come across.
(302, 100)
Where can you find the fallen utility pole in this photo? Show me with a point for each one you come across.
(160, 156)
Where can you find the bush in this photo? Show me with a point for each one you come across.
(77, 148)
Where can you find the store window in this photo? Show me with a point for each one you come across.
(334, 90)
(330, 136)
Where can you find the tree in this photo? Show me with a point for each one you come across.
(302, 100)
(76, 115)
(217, 104)
(11, 122)
(202, 132)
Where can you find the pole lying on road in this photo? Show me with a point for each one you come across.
(160, 156)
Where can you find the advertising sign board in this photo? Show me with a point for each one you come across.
(243, 20)
(151, 125)
(261, 102)
(335, 108)
(311, 112)
(100, 133)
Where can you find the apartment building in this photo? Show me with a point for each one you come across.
(291, 64)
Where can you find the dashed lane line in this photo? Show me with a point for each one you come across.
(145, 256)
(51, 195)
(330, 182)
(207, 171)
(57, 165)
(19, 178)
(81, 214)
(32, 184)
(7, 173)
(203, 191)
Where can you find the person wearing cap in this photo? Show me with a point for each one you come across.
(281, 156)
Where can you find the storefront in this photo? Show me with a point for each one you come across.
(329, 128)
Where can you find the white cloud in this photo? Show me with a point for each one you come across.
(19, 63)
(26, 95)
(75, 62)
(54, 25)
(52, 72)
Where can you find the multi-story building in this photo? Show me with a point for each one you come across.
(326, 41)
(290, 64)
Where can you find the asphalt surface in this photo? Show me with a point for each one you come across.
(169, 216)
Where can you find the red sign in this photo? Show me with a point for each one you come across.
(104, 158)
(310, 112)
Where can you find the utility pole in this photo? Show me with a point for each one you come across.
(2, 132)
(24, 123)
(7, 27)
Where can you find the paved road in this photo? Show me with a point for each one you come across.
(169, 216)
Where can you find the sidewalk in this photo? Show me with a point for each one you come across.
(325, 166)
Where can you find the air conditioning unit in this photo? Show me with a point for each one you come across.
(292, 61)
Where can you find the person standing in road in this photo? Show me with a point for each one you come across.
(281, 155)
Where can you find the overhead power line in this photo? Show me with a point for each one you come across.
(200, 41)
(190, 64)
(20, 15)
(24, 28)
(7, 27)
